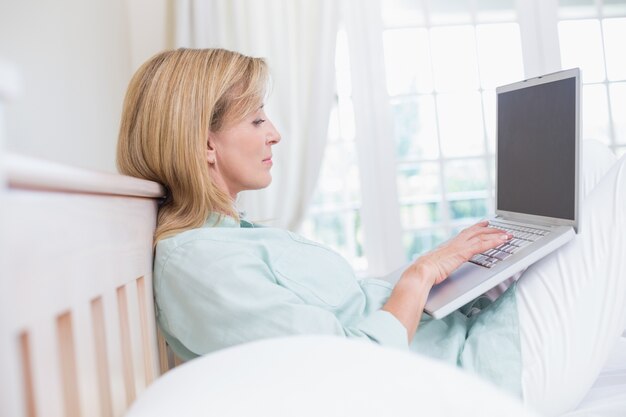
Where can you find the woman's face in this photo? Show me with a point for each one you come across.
(240, 154)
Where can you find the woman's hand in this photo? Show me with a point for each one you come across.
(439, 263)
(408, 298)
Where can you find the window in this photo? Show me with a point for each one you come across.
(442, 61)
(591, 35)
(442, 66)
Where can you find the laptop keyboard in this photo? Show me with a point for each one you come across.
(522, 237)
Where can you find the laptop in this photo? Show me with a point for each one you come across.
(537, 185)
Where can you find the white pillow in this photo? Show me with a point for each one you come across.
(320, 376)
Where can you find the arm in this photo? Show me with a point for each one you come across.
(409, 296)
(210, 301)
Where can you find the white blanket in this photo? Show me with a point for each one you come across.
(312, 376)
(607, 397)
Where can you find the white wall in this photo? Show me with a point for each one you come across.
(75, 59)
(151, 25)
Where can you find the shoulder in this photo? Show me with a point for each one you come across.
(210, 246)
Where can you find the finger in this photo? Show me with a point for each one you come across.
(490, 241)
(493, 230)
(480, 228)
(475, 228)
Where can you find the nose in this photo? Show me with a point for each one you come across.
(273, 136)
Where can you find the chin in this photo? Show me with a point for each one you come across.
(264, 183)
(267, 183)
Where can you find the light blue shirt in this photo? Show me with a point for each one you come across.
(221, 285)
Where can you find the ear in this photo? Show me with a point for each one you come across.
(211, 154)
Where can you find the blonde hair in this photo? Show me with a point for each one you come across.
(172, 103)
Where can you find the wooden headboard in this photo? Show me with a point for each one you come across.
(77, 327)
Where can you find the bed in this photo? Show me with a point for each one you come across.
(78, 334)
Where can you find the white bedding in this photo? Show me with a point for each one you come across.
(607, 396)
(320, 376)
(325, 376)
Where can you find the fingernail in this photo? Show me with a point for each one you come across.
(504, 237)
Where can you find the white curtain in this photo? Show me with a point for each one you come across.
(374, 136)
(297, 37)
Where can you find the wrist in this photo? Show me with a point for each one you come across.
(420, 272)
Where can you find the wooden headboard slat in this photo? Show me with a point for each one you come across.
(126, 345)
(67, 363)
(47, 381)
(144, 300)
(27, 375)
(86, 360)
(136, 341)
(114, 353)
(101, 358)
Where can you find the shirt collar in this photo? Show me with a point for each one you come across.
(225, 221)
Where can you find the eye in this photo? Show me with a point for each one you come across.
(258, 122)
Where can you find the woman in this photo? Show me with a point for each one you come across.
(193, 121)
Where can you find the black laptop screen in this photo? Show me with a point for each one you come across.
(537, 149)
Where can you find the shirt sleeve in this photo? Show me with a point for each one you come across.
(209, 304)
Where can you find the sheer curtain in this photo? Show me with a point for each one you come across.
(297, 37)
(374, 136)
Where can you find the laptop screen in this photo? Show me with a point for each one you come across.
(536, 134)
